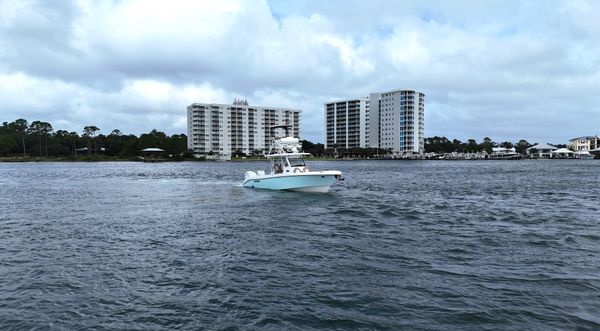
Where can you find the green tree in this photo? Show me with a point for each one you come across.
(130, 145)
(458, 146)
(472, 146)
(41, 130)
(7, 142)
(439, 145)
(60, 144)
(522, 146)
(73, 140)
(90, 133)
(487, 145)
(20, 126)
(114, 142)
(177, 144)
(35, 129)
(312, 148)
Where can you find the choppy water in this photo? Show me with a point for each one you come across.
(397, 245)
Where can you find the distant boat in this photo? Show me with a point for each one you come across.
(289, 170)
(503, 153)
(584, 155)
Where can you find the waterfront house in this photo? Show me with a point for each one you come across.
(541, 150)
(563, 153)
(585, 143)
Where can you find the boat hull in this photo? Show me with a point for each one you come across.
(318, 181)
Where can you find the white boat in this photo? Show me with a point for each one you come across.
(288, 169)
(504, 153)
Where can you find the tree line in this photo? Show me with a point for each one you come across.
(436, 144)
(442, 145)
(318, 149)
(39, 139)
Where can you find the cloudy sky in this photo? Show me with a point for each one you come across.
(503, 69)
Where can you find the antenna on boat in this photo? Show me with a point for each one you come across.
(286, 127)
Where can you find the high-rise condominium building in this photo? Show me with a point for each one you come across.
(220, 130)
(389, 120)
(346, 123)
(397, 121)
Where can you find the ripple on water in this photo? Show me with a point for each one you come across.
(397, 245)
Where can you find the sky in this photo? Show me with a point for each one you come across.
(507, 70)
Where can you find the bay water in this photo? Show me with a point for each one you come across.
(416, 245)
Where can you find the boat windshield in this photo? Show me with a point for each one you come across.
(296, 162)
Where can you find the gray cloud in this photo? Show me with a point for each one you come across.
(505, 70)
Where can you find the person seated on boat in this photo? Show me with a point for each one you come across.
(277, 168)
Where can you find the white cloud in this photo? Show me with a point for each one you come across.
(141, 105)
(9, 9)
(510, 70)
(350, 58)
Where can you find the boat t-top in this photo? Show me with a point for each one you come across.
(288, 169)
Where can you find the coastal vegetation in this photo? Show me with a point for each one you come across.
(39, 140)
(319, 150)
(436, 144)
(442, 145)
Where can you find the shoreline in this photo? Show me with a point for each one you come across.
(83, 160)
(68, 160)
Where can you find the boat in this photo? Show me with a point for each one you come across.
(288, 168)
(504, 153)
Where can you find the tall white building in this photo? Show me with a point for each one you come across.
(397, 121)
(392, 120)
(219, 130)
(346, 123)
